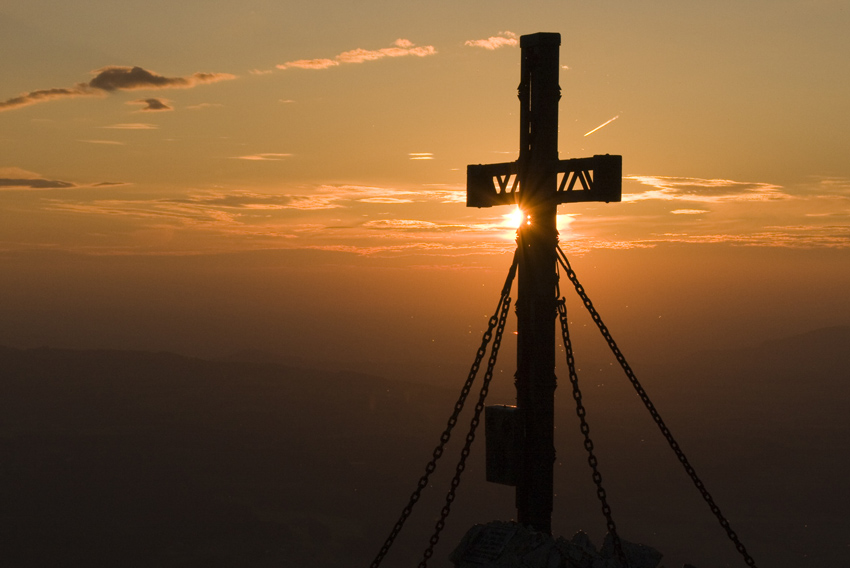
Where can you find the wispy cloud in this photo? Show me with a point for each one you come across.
(153, 209)
(421, 155)
(400, 48)
(266, 157)
(406, 224)
(704, 190)
(829, 187)
(249, 200)
(114, 78)
(385, 200)
(106, 142)
(133, 126)
(309, 64)
(20, 179)
(345, 195)
(152, 105)
(504, 39)
(390, 221)
(236, 200)
(201, 106)
(795, 237)
(117, 78)
(44, 95)
(41, 183)
(226, 210)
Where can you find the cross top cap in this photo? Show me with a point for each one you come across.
(540, 38)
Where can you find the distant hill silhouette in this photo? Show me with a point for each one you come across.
(116, 458)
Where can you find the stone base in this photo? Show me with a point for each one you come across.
(510, 545)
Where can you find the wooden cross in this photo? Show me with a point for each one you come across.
(537, 182)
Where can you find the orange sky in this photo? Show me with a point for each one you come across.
(213, 176)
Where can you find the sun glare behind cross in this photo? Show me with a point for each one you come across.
(515, 219)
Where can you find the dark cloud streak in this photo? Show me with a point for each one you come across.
(116, 78)
(11, 183)
(152, 105)
(42, 95)
(12, 179)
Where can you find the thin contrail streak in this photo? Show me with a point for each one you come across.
(603, 124)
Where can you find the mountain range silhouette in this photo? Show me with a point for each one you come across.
(155, 459)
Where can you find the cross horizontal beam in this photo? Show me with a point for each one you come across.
(581, 179)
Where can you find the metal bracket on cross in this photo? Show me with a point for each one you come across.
(581, 179)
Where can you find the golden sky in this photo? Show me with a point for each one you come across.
(338, 133)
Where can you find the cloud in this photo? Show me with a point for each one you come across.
(156, 209)
(358, 219)
(247, 200)
(409, 224)
(309, 64)
(114, 78)
(152, 105)
(108, 142)
(421, 155)
(412, 225)
(18, 179)
(44, 95)
(792, 237)
(704, 190)
(209, 203)
(18, 173)
(266, 157)
(26, 183)
(504, 39)
(827, 188)
(237, 200)
(689, 211)
(385, 200)
(133, 126)
(200, 106)
(400, 48)
(345, 195)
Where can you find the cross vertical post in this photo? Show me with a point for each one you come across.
(532, 182)
(539, 94)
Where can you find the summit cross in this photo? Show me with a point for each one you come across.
(538, 182)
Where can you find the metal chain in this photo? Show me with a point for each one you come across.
(652, 411)
(585, 430)
(470, 437)
(447, 433)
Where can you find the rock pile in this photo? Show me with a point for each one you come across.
(509, 545)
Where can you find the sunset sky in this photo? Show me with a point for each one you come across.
(212, 176)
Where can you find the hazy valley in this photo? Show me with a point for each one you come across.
(153, 459)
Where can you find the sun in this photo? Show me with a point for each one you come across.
(514, 219)
(517, 217)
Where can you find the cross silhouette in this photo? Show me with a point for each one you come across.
(537, 182)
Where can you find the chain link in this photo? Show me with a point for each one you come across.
(470, 437)
(496, 320)
(652, 411)
(585, 430)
